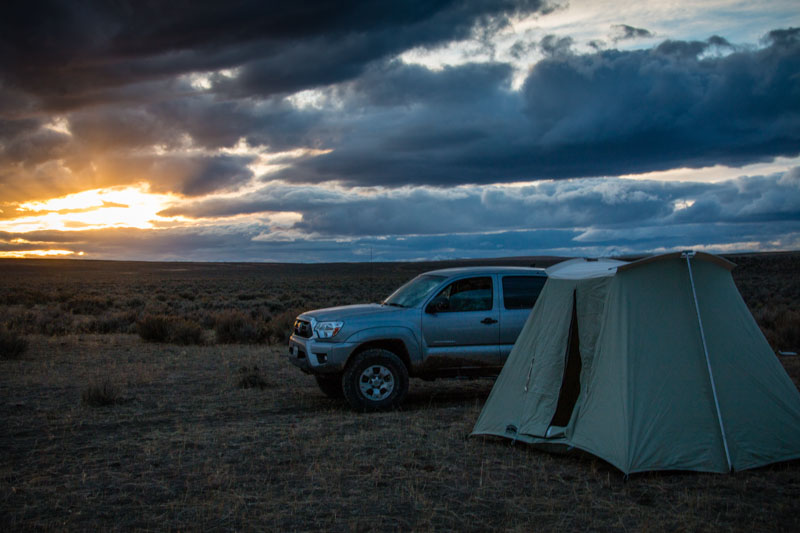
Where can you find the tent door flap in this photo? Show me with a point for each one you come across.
(570, 382)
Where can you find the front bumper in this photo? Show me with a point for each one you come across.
(314, 357)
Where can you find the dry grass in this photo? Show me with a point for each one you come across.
(190, 449)
(186, 447)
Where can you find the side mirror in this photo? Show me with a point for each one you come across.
(439, 304)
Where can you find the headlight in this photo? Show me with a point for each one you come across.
(326, 330)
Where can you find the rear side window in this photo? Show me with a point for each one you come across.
(520, 292)
(471, 294)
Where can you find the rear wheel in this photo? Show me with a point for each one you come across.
(375, 380)
(330, 385)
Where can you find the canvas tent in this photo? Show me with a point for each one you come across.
(651, 365)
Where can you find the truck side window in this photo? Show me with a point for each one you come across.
(471, 294)
(520, 292)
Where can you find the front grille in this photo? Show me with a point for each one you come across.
(303, 329)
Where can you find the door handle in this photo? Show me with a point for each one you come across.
(488, 320)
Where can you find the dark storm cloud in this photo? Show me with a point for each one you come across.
(680, 104)
(667, 107)
(71, 53)
(212, 123)
(114, 74)
(122, 127)
(605, 113)
(31, 147)
(404, 124)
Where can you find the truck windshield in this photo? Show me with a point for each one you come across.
(414, 292)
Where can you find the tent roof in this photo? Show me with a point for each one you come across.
(719, 261)
(584, 268)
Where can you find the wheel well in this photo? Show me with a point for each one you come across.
(396, 346)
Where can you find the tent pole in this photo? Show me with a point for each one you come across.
(688, 255)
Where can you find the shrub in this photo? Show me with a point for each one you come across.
(100, 395)
(154, 328)
(787, 331)
(236, 327)
(162, 328)
(12, 345)
(280, 326)
(135, 302)
(185, 332)
(23, 296)
(51, 321)
(87, 305)
(781, 326)
(113, 323)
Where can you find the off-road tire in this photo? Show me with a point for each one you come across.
(375, 380)
(331, 385)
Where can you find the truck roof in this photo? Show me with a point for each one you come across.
(529, 271)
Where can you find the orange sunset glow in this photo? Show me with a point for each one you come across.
(131, 207)
(22, 254)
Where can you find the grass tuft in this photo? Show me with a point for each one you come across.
(12, 344)
(100, 394)
(251, 378)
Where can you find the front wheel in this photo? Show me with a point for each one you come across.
(330, 385)
(375, 380)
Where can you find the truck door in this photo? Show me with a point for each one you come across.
(460, 325)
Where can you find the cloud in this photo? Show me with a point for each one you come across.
(623, 32)
(392, 124)
(553, 45)
(667, 107)
(189, 175)
(637, 212)
(351, 146)
(605, 113)
(598, 216)
(83, 52)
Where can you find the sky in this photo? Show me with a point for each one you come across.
(290, 131)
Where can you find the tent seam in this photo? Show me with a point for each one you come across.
(688, 255)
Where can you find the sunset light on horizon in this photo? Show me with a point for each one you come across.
(126, 207)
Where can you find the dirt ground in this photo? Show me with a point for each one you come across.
(185, 448)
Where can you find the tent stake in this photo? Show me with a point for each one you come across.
(688, 255)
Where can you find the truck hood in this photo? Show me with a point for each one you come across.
(344, 312)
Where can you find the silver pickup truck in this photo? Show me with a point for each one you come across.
(456, 322)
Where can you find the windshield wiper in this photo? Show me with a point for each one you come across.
(393, 304)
